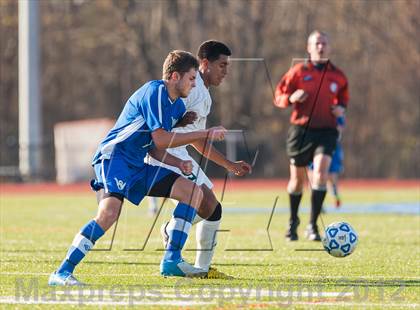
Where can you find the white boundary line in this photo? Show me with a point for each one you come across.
(296, 276)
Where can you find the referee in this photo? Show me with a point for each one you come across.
(318, 93)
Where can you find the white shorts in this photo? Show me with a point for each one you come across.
(197, 176)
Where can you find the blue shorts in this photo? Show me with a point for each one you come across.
(336, 161)
(134, 183)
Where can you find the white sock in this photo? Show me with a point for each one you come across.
(153, 204)
(197, 219)
(206, 236)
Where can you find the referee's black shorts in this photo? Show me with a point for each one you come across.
(303, 143)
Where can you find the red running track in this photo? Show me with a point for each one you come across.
(239, 185)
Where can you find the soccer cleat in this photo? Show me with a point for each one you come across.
(180, 268)
(291, 234)
(164, 234)
(337, 202)
(312, 233)
(64, 278)
(213, 273)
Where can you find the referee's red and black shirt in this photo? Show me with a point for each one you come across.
(316, 109)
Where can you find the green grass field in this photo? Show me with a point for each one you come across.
(36, 231)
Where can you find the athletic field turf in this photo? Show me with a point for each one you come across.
(38, 226)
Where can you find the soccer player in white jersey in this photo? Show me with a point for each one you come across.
(213, 57)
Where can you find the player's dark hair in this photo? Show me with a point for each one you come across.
(211, 50)
(178, 61)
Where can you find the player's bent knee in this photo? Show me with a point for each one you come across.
(192, 195)
(187, 192)
(206, 208)
(208, 203)
(209, 196)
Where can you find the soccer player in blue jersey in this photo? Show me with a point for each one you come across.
(337, 165)
(336, 168)
(144, 127)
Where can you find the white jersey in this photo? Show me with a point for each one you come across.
(198, 101)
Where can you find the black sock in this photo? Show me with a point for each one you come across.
(317, 199)
(294, 205)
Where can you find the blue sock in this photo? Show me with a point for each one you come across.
(82, 243)
(177, 229)
(335, 190)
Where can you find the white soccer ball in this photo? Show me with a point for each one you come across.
(340, 239)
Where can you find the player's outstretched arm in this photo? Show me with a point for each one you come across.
(164, 139)
(161, 155)
(208, 150)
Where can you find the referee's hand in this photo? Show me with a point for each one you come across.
(338, 110)
(298, 96)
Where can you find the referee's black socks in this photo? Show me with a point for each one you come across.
(317, 199)
(294, 199)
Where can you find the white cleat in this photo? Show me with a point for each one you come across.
(63, 279)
